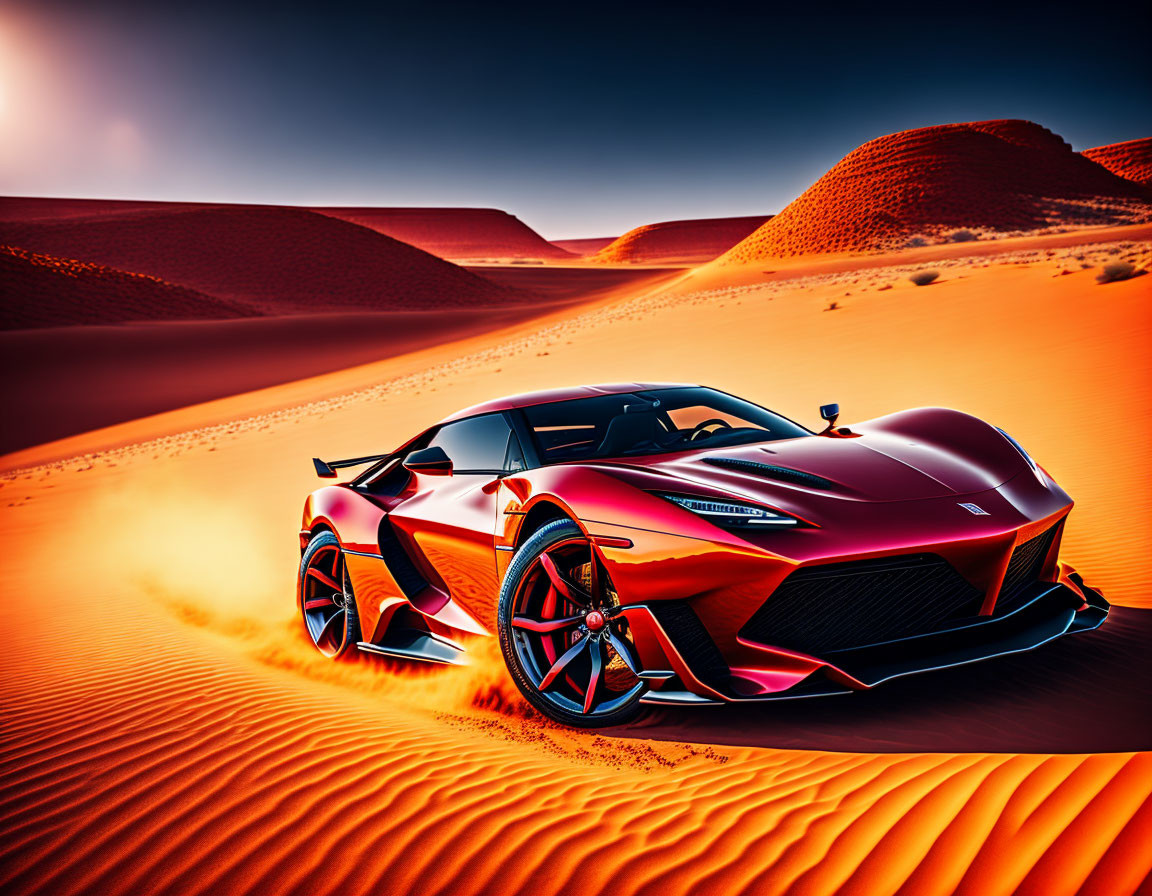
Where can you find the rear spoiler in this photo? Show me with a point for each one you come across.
(327, 469)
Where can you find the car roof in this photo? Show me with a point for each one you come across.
(547, 396)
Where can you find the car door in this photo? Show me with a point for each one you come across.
(450, 520)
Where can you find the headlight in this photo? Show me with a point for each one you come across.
(733, 513)
(1024, 454)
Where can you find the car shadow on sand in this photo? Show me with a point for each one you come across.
(1085, 693)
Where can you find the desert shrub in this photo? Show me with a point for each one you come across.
(1116, 270)
(923, 278)
(962, 236)
(915, 242)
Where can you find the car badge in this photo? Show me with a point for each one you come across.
(976, 509)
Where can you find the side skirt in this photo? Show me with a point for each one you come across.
(410, 644)
(677, 698)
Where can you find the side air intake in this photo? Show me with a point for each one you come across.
(768, 471)
(1024, 570)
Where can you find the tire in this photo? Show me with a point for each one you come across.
(331, 621)
(528, 652)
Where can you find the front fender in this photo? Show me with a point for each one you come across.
(954, 436)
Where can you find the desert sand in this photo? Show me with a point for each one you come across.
(555, 282)
(167, 728)
(158, 364)
(1131, 160)
(147, 368)
(678, 242)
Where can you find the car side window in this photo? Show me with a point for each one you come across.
(480, 444)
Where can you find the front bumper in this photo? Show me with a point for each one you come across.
(1047, 611)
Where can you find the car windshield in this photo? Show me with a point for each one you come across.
(651, 422)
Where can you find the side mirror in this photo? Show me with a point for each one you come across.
(829, 413)
(431, 461)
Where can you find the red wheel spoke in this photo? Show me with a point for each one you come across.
(317, 602)
(557, 667)
(545, 625)
(325, 578)
(549, 608)
(562, 585)
(593, 679)
(624, 652)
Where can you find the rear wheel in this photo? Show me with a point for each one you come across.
(324, 594)
(564, 639)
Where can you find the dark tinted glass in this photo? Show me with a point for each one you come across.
(514, 459)
(655, 422)
(478, 443)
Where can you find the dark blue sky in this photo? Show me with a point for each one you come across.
(583, 120)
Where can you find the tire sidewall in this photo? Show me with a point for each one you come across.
(522, 561)
(321, 540)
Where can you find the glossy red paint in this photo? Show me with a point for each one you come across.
(898, 488)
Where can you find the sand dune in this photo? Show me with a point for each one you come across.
(454, 233)
(167, 729)
(278, 259)
(958, 181)
(43, 291)
(34, 208)
(1131, 160)
(584, 247)
(684, 242)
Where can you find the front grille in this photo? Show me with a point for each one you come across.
(692, 640)
(1024, 569)
(837, 606)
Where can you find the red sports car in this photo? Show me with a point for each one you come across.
(673, 544)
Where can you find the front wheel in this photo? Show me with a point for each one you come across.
(564, 640)
(324, 595)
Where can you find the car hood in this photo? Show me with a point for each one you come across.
(871, 466)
